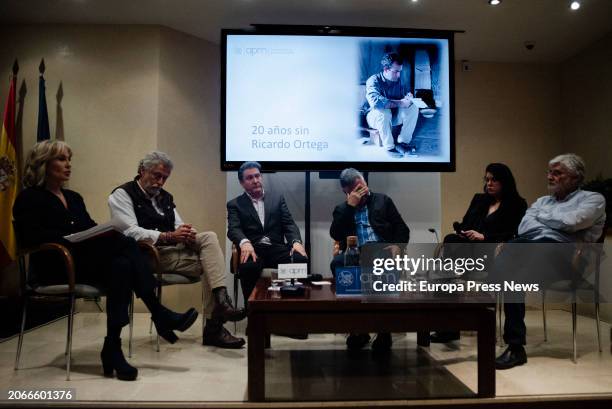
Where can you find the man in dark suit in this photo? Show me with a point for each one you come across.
(260, 224)
(373, 218)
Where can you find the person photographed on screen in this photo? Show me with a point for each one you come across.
(45, 211)
(567, 215)
(373, 218)
(389, 104)
(150, 213)
(492, 217)
(260, 224)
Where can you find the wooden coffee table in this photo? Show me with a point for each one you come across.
(321, 311)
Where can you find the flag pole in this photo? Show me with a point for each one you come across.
(42, 132)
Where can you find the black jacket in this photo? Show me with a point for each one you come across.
(40, 217)
(384, 219)
(243, 221)
(501, 225)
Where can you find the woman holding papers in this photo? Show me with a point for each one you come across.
(47, 212)
(493, 217)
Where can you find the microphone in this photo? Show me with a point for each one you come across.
(313, 277)
(432, 230)
(457, 227)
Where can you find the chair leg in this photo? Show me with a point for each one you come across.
(67, 335)
(574, 329)
(598, 325)
(69, 340)
(544, 317)
(21, 331)
(131, 312)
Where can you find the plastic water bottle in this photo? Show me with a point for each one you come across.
(351, 254)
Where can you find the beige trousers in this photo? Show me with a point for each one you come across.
(203, 257)
(383, 119)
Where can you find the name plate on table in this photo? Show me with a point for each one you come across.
(294, 270)
(348, 280)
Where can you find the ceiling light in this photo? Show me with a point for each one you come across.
(574, 5)
(494, 2)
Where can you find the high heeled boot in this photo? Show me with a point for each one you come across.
(166, 321)
(114, 361)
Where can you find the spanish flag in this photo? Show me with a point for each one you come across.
(8, 176)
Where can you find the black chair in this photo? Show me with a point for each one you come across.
(70, 290)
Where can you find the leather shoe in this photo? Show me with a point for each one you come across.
(223, 310)
(512, 356)
(355, 342)
(220, 337)
(382, 343)
(405, 148)
(395, 153)
(442, 337)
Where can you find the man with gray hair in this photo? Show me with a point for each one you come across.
(567, 215)
(150, 214)
(373, 218)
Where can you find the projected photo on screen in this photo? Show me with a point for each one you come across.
(322, 102)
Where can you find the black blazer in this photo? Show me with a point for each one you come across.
(40, 217)
(384, 218)
(243, 221)
(501, 225)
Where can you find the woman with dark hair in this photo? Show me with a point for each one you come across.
(47, 212)
(493, 217)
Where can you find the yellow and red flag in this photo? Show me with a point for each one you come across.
(8, 176)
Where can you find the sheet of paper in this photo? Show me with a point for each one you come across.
(419, 103)
(321, 283)
(95, 231)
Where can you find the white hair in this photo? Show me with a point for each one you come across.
(573, 162)
(153, 159)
